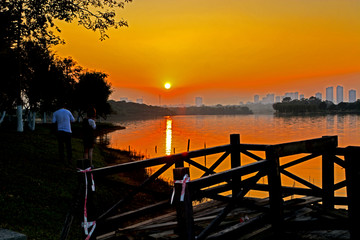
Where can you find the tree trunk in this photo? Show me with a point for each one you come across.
(31, 120)
(2, 117)
(44, 119)
(20, 126)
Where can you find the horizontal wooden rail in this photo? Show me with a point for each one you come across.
(253, 147)
(125, 167)
(318, 145)
(224, 176)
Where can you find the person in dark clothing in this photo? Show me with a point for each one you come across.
(89, 127)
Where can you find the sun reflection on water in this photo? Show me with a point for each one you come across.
(168, 136)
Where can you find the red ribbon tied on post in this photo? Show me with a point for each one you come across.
(183, 182)
(87, 225)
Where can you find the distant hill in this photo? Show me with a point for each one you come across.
(260, 108)
(129, 110)
(124, 110)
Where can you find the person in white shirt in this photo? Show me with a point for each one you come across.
(63, 119)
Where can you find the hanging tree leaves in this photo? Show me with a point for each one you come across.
(36, 18)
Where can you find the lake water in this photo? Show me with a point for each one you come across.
(168, 135)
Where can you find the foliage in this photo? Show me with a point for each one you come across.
(48, 83)
(45, 83)
(29, 72)
(8, 61)
(8, 79)
(93, 91)
(35, 20)
(314, 105)
(131, 110)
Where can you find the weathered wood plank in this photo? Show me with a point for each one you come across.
(352, 159)
(300, 160)
(275, 191)
(227, 175)
(237, 228)
(251, 155)
(139, 211)
(300, 180)
(125, 167)
(235, 162)
(216, 164)
(306, 146)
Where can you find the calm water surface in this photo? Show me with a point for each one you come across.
(168, 135)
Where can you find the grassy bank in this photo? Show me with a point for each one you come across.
(36, 189)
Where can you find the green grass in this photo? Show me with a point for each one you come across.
(36, 189)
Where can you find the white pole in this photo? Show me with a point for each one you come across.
(20, 127)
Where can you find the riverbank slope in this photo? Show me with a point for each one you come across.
(36, 189)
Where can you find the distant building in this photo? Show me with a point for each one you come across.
(140, 101)
(302, 96)
(256, 99)
(269, 99)
(339, 94)
(278, 99)
(352, 96)
(198, 101)
(124, 99)
(318, 96)
(330, 94)
(292, 95)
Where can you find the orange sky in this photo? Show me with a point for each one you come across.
(224, 51)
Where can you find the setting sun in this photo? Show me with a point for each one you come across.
(167, 85)
(226, 53)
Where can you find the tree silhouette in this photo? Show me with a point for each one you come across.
(92, 90)
(8, 63)
(315, 105)
(28, 20)
(35, 20)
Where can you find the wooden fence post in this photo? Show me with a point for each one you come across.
(275, 192)
(179, 163)
(184, 209)
(352, 170)
(328, 184)
(235, 162)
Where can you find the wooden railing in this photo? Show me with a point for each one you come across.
(240, 179)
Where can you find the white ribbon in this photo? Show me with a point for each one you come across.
(183, 182)
(87, 225)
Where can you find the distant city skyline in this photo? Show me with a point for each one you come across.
(269, 98)
(329, 92)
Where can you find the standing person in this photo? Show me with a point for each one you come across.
(89, 127)
(63, 119)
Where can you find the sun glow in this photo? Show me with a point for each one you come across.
(167, 85)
